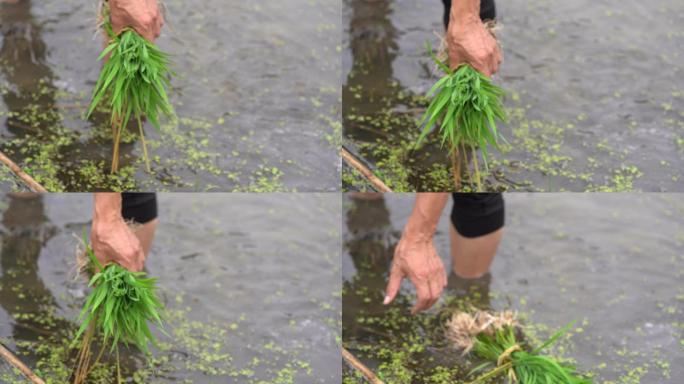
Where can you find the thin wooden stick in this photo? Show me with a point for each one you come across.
(25, 177)
(356, 164)
(358, 365)
(10, 358)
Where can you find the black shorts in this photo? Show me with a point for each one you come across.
(139, 207)
(487, 10)
(477, 214)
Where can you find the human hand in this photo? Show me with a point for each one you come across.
(142, 15)
(417, 259)
(113, 241)
(470, 42)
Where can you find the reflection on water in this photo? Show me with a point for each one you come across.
(373, 47)
(251, 283)
(613, 263)
(23, 63)
(24, 294)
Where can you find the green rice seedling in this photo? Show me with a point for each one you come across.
(133, 80)
(467, 106)
(510, 357)
(120, 306)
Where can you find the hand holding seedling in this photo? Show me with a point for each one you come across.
(416, 258)
(469, 41)
(141, 15)
(111, 238)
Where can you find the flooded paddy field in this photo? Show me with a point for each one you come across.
(256, 93)
(611, 263)
(595, 95)
(251, 286)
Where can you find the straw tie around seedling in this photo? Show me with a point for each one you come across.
(495, 338)
(467, 106)
(133, 81)
(120, 306)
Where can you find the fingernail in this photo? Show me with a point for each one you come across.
(387, 300)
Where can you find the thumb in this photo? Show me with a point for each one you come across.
(394, 284)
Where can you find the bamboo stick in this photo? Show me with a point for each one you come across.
(26, 178)
(359, 366)
(367, 173)
(10, 358)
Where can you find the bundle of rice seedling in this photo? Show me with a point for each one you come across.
(134, 81)
(496, 339)
(119, 306)
(467, 106)
(462, 329)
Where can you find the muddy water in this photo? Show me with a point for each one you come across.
(613, 263)
(596, 88)
(233, 261)
(256, 91)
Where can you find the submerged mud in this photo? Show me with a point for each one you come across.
(611, 263)
(595, 94)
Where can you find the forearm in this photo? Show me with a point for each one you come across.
(107, 207)
(463, 11)
(427, 210)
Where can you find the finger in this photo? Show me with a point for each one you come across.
(393, 286)
(486, 69)
(160, 23)
(496, 61)
(481, 66)
(436, 288)
(140, 264)
(423, 292)
(455, 60)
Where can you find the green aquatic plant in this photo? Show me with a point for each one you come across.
(120, 306)
(508, 356)
(467, 106)
(134, 78)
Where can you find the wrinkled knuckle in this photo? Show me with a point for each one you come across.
(146, 20)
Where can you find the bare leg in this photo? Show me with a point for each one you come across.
(472, 257)
(145, 234)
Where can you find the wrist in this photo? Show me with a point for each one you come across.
(107, 208)
(417, 233)
(464, 12)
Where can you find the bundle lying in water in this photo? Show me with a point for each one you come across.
(495, 338)
(134, 78)
(120, 306)
(467, 106)
(462, 329)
